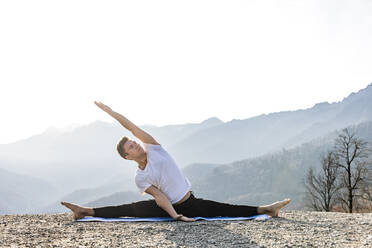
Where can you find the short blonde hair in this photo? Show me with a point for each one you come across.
(120, 147)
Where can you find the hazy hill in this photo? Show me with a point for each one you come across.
(197, 172)
(266, 178)
(82, 157)
(19, 193)
(240, 139)
(172, 134)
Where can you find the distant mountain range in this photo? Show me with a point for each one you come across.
(267, 178)
(85, 160)
(240, 139)
(20, 193)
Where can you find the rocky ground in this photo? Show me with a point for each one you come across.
(292, 229)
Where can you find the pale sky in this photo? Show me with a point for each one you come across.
(169, 62)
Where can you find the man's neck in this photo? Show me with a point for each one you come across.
(142, 162)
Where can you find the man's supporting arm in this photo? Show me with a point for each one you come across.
(163, 202)
(136, 131)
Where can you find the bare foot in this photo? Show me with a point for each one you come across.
(79, 212)
(273, 209)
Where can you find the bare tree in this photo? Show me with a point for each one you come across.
(352, 153)
(322, 188)
(367, 190)
(366, 193)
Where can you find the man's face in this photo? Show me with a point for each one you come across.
(133, 149)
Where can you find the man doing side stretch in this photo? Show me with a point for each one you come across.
(159, 176)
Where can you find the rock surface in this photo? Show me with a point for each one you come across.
(292, 229)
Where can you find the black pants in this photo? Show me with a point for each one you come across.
(192, 207)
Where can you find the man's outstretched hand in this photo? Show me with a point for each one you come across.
(104, 107)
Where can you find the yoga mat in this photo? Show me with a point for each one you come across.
(156, 219)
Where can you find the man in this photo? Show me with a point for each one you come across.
(159, 176)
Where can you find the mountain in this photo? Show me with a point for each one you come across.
(23, 193)
(240, 139)
(266, 178)
(84, 157)
(197, 172)
(172, 134)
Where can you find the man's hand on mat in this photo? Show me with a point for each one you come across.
(104, 107)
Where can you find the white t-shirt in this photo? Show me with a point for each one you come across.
(162, 172)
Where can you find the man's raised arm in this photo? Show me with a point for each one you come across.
(136, 131)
